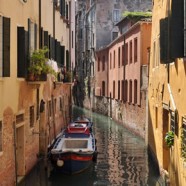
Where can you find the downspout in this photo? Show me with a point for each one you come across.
(52, 98)
(40, 44)
(53, 20)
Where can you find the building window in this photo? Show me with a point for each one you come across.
(135, 50)
(103, 88)
(22, 52)
(116, 15)
(103, 63)
(1, 136)
(19, 118)
(118, 89)
(114, 59)
(135, 91)
(67, 12)
(126, 91)
(126, 53)
(130, 51)
(31, 116)
(32, 31)
(4, 47)
(114, 35)
(130, 91)
(119, 57)
(122, 89)
(113, 89)
(123, 55)
(62, 8)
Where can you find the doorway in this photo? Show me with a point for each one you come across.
(20, 150)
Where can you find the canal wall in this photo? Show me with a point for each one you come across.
(130, 116)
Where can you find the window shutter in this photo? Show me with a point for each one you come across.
(58, 53)
(164, 42)
(26, 53)
(62, 55)
(35, 35)
(20, 52)
(66, 11)
(29, 34)
(49, 40)
(52, 48)
(41, 37)
(55, 45)
(46, 38)
(177, 29)
(6, 47)
(67, 60)
(62, 8)
(46, 41)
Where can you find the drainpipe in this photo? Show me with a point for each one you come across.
(40, 44)
(53, 20)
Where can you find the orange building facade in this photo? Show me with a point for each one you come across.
(167, 86)
(32, 113)
(125, 78)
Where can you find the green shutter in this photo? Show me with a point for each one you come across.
(67, 60)
(58, 53)
(20, 52)
(46, 41)
(66, 11)
(177, 29)
(35, 36)
(62, 8)
(62, 55)
(6, 47)
(164, 41)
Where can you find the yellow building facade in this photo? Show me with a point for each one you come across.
(167, 86)
(32, 113)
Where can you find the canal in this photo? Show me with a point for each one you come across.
(122, 160)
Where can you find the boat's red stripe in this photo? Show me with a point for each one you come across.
(81, 158)
(76, 157)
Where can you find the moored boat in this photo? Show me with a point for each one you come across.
(75, 148)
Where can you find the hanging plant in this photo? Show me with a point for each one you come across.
(169, 138)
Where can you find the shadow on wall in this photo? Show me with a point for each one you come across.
(151, 145)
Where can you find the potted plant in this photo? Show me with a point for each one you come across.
(169, 138)
(38, 65)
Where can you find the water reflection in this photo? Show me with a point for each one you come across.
(122, 160)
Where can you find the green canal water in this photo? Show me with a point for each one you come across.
(122, 160)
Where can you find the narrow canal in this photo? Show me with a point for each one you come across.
(122, 160)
